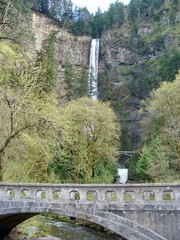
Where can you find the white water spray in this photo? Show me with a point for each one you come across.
(93, 69)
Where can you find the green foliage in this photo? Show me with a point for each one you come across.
(28, 118)
(160, 157)
(169, 65)
(143, 9)
(104, 84)
(163, 107)
(22, 6)
(154, 72)
(14, 18)
(76, 82)
(78, 20)
(88, 143)
(98, 24)
(113, 18)
(46, 63)
(82, 85)
(35, 227)
(175, 2)
(70, 79)
(153, 163)
(133, 10)
(131, 165)
(172, 17)
(82, 25)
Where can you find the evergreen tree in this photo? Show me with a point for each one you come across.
(70, 80)
(98, 24)
(175, 2)
(119, 13)
(82, 88)
(169, 65)
(133, 10)
(157, 3)
(160, 156)
(111, 15)
(82, 22)
(46, 63)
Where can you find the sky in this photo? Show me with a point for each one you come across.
(92, 5)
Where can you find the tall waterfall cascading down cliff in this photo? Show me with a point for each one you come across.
(93, 69)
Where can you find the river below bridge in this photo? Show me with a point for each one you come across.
(65, 231)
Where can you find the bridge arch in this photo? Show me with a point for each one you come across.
(125, 228)
(134, 211)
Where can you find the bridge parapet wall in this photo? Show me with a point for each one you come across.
(114, 195)
(153, 209)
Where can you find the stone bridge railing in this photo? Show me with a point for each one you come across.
(114, 194)
(135, 211)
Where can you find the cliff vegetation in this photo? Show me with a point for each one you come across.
(50, 130)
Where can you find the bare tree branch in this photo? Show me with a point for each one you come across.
(6, 9)
(8, 38)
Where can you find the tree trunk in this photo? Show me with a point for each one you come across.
(1, 175)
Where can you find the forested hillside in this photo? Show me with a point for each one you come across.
(50, 131)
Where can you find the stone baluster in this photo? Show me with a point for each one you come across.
(65, 194)
(100, 195)
(49, 194)
(158, 195)
(177, 194)
(120, 194)
(83, 193)
(32, 193)
(139, 195)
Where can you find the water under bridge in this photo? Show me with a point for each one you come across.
(134, 211)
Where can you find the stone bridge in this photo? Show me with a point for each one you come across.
(134, 211)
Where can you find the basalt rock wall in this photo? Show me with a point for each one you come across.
(71, 52)
(128, 64)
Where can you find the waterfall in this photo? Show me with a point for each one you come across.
(93, 69)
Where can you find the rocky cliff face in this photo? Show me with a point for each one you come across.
(127, 69)
(42, 27)
(129, 62)
(71, 52)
